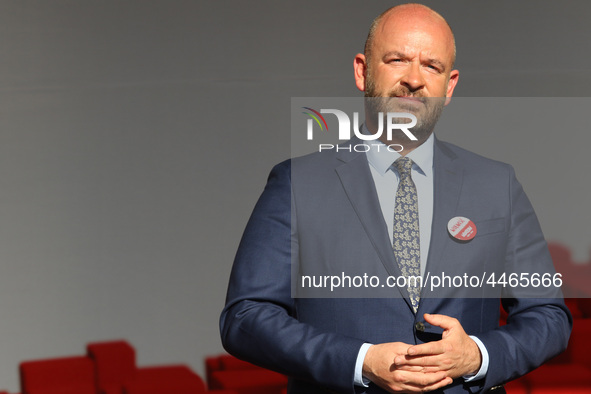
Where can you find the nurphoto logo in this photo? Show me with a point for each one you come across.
(345, 129)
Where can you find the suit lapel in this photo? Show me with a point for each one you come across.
(447, 187)
(357, 182)
(359, 187)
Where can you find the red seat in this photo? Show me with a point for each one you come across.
(114, 363)
(226, 372)
(560, 390)
(224, 362)
(249, 381)
(173, 379)
(515, 387)
(580, 342)
(179, 380)
(563, 375)
(572, 372)
(117, 373)
(574, 307)
(68, 375)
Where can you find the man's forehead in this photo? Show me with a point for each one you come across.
(415, 13)
(401, 22)
(424, 31)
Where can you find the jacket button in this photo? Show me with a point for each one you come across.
(420, 326)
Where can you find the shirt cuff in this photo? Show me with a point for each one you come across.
(483, 366)
(359, 380)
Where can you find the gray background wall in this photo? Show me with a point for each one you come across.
(135, 137)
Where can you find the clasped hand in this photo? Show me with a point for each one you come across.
(402, 368)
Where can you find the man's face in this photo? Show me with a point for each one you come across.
(410, 67)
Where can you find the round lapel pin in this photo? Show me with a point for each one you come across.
(461, 228)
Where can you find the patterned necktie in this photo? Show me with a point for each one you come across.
(406, 230)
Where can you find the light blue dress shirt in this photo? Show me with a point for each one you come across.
(386, 180)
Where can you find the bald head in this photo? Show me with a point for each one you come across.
(413, 15)
(409, 55)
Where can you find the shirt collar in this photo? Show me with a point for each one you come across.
(381, 158)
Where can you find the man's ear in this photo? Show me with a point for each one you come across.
(451, 85)
(360, 68)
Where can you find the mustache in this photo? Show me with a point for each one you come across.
(403, 92)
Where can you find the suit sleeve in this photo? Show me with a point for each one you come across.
(259, 322)
(538, 324)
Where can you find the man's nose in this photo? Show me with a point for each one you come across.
(413, 78)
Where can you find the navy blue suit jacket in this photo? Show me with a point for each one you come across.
(321, 212)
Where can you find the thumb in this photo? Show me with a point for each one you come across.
(443, 321)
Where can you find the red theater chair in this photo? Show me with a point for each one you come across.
(173, 379)
(148, 382)
(515, 387)
(68, 375)
(226, 372)
(569, 373)
(225, 362)
(114, 364)
(559, 376)
(249, 381)
(117, 373)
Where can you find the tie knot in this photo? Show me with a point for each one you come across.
(403, 165)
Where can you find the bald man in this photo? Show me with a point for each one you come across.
(413, 342)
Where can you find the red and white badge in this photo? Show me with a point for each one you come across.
(461, 228)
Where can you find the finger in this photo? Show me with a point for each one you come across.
(419, 379)
(428, 369)
(429, 348)
(443, 321)
(421, 389)
(420, 361)
(415, 368)
(445, 367)
(431, 369)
